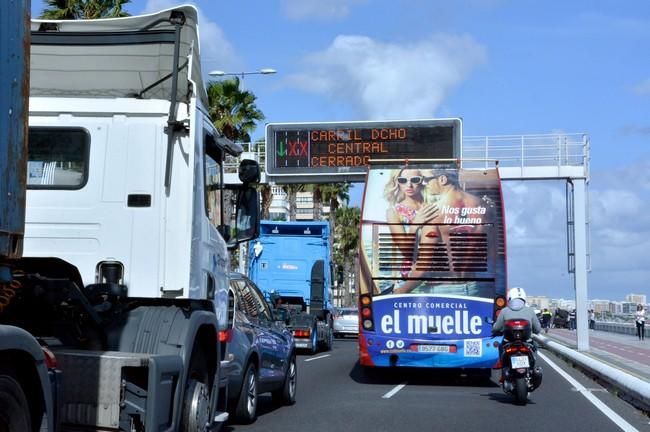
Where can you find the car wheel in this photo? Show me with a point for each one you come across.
(287, 394)
(246, 410)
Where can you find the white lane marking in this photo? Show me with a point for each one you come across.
(316, 358)
(618, 420)
(393, 391)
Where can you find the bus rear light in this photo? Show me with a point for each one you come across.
(366, 312)
(225, 335)
(301, 333)
(453, 349)
(500, 302)
(367, 324)
(366, 300)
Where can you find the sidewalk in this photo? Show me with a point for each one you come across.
(623, 352)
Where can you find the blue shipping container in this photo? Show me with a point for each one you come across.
(14, 79)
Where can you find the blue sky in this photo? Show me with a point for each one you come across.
(505, 67)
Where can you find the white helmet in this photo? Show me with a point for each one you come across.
(516, 293)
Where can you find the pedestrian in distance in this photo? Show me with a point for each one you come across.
(640, 321)
(546, 319)
(572, 319)
(592, 319)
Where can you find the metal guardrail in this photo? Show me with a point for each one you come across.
(525, 151)
(614, 327)
(511, 151)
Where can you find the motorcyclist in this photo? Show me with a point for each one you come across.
(517, 309)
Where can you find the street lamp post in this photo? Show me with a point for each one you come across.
(220, 73)
(264, 71)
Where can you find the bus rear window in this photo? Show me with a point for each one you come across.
(57, 158)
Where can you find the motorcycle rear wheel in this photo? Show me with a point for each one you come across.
(521, 391)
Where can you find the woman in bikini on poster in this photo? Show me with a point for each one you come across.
(403, 192)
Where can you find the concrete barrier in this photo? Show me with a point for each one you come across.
(635, 390)
(614, 327)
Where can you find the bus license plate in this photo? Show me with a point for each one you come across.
(518, 362)
(433, 348)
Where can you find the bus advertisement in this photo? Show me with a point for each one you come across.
(432, 265)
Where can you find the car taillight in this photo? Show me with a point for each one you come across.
(301, 333)
(225, 335)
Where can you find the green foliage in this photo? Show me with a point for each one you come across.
(346, 251)
(84, 9)
(232, 110)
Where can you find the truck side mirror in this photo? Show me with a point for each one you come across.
(247, 217)
(249, 171)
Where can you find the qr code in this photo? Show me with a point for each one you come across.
(473, 348)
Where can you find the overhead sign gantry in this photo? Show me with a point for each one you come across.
(338, 152)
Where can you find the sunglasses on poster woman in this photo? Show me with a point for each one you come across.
(416, 180)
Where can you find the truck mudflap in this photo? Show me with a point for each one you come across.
(110, 389)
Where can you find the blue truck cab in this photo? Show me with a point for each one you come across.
(291, 263)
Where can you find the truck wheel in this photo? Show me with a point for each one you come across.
(329, 339)
(14, 409)
(246, 410)
(314, 339)
(287, 394)
(196, 403)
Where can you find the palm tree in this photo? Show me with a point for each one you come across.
(84, 9)
(291, 191)
(329, 194)
(346, 234)
(232, 110)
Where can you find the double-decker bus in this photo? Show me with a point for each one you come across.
(432, 266)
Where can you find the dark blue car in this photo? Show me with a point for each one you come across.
(260, 352)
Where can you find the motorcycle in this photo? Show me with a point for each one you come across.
(519, 376)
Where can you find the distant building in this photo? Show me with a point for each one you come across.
(636, 298)
(628, 308)
(600, 306)
(538, 302)
(279, 204)
(304, 206)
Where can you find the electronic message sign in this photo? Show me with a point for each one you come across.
(333, 152)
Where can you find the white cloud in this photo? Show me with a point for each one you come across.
(389, 80)
(216, 51)
(318, 9)
(620, 232)
(643, 88)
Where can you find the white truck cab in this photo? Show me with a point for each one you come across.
(128, 222)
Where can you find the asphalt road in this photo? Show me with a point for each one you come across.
(335, 395)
